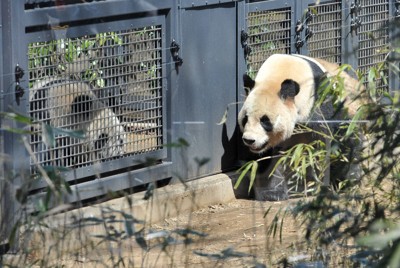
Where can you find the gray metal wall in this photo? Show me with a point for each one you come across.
(205, 87)
(193, 96)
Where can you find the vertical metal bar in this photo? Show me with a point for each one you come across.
(373, 39)
(3, 186)
(350, 39)
(269, 30)
(241, 14)
(325, 35)
(14, 167)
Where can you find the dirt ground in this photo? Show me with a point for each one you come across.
(234, 234)
(222, 235)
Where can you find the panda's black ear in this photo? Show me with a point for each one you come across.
(248, 83)
(289, 89)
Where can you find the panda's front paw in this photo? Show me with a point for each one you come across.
(273, 188)
(263, 194)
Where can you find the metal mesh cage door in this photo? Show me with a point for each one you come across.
(326, 39)
(96, 98)
(268, 33)
(373, 37)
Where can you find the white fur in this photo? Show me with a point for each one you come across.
(264, 99)
(106, 122)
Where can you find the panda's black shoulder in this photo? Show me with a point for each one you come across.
(317, 72)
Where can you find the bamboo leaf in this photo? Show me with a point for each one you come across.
(379, 240)
(311, 157)
(243, 173)
(296, 158)
(354, 122)
(17, 131)
(201, 161)
(253, 174)
(224, 117)
(372, 74)
(266, 212)
(281, 227)
(17, 117)
(187, 231)
(48, 136)
(129, 227)
(140, 239)
(79, 134)
(303, 167)
(395, 259)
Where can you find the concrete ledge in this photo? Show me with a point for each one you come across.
(167, 201)
(61, 230)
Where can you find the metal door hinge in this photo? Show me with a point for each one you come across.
(244, 36)
(355, 21)
(19, 90)
(300, 27)
(175, 53)
(397, 11)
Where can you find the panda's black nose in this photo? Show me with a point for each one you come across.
(248, 141)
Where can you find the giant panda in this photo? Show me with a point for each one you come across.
(282, 95)
(72, 105)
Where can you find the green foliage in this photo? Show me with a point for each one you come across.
(85, 58)
(252, 165)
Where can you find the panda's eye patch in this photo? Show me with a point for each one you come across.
(266, 123)
(244, 121)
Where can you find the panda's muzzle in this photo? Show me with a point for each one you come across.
(253, 146)
(248, 142)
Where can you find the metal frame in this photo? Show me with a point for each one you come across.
(373, 35)
(355, 30)
(205, 86)
(326, 40)
(123, 162)
(113, 175)
(269, 13)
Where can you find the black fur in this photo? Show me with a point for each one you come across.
(266, 123)
(317, 72)
(248, 83)
(289, 89)
(82, 106)
(244, 121)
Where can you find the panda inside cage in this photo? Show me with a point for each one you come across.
(107, 87)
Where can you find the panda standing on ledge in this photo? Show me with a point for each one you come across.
(283, 94)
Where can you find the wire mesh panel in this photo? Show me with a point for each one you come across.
(269, 33)
(96, 98)
(374, 39)
(325, 41)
